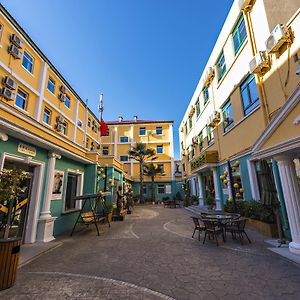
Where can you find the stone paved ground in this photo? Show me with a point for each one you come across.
(151, 255)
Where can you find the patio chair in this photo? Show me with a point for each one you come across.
(198, 226)
(237, 227)
(212, 228)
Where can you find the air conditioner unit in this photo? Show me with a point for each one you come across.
(195, 140)
(276, 39)
(62, 97)
(60, 119)
(7, 94)
(63, 89)
(259, 62)
(245, 4)
(216, 117)
(15, 52)
(209, 76)
(8, 82)
(16, 41)
(59, 127)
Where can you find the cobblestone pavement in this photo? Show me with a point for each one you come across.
(151, 255)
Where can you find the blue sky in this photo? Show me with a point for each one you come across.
(145, 56)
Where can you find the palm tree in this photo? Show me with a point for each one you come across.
(151, 170)
(141, 154)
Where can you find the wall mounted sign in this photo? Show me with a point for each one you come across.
(204, 158)
(25, 149)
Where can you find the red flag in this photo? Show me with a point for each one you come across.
(103, 128)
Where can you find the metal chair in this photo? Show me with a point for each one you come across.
(213, 229)
(237, 227)
(198, 226)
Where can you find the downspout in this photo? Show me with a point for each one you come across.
(260, 85)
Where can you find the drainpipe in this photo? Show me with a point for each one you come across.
(260, 84)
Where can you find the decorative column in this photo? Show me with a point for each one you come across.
(217, 188)
(46, 221)
(291, 191)
(200, 184)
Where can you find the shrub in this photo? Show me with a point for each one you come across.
(178, 196)
(210, 200)
(165, 198)
(193, 199)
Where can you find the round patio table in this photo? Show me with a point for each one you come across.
(218, 217)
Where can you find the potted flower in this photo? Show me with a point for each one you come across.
(210, 202)
(10, 241)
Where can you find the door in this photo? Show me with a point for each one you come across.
(71, 191)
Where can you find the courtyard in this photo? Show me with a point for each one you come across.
(151, 255)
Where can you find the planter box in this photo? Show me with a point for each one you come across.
(264, 228)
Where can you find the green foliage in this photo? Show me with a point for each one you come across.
(165, 198)
(187, 201)
(210, 200)
(194, 198)
(10, 185)
(253, 209)
(178, 196)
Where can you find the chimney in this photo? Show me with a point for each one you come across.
(120, 118)
(135, 118)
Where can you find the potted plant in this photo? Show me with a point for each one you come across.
(210, 202)
(10, 241)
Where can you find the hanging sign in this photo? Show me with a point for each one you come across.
(204, 158)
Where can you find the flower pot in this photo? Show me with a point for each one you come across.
(10, 249)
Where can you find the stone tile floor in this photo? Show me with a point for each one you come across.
(151, 255)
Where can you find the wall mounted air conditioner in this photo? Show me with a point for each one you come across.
(216, 116)
(62, 97)
(16, 41)
(63, 89)
(15, 52)
(59, 127)
(60, 119)
(259, 62)
(9, 83)
(195, 140)
(276, 39)
(7, 94)
(209, 76)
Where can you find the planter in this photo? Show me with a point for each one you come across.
(10, 250)
(264, 228)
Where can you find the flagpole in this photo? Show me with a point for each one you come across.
(100, 109)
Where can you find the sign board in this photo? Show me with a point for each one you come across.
(57, 187)
(225, 192)
(204, 158)
(25, 149)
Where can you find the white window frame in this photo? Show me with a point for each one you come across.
(140, 131)
(26, 100)
(124, 137)
(162, 147)
(31, 62)
(50, 79)
(69, 99)
(65, 132)
(106, 147)
(160, 186)
(50, 113)
(161, 130)
(124, 160)
(79, 190)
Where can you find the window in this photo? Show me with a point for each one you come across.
(47, 116)
(27, 62)
(105, 150)
(64, 127)
(67, 101)
(200, 137)
(21, 99)
(159, 149)
(89, 122)
(197, 108)
(239, 34)
(192, 152)
(205, 94)
(1, 31)
(185, 128)
(161, 189)
(123, 139)
(182, 147)
(74, 187)
(210, 135)
(142, 131)
(227, 117)
(161, 167)
(159, 131)
(249, 95)
(51, 85)
(221, 66)
(107, 133)
(190, 122)
(123, 157)
(87, 143)
(144, 189)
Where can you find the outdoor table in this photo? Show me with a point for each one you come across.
(220, 218)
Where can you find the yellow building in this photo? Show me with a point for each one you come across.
(245, 110)
(157, 135)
